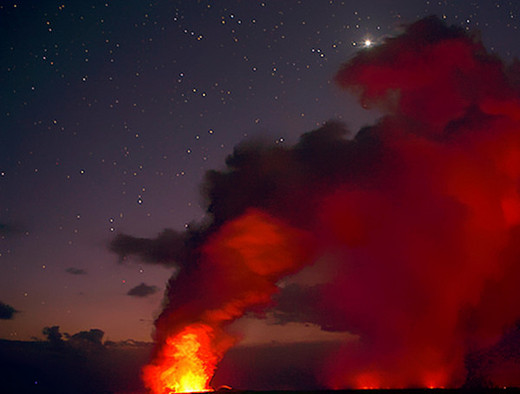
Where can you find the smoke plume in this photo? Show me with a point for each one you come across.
(417, 217)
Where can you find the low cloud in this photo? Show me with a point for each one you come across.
(76, 271)
(7, 312)
(142, 290)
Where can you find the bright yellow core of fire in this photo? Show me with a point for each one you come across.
(188, 374)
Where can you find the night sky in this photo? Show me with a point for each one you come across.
(112, 112)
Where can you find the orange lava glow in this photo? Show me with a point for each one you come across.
(185, 364)
(368, 381)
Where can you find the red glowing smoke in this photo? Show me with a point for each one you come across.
(432, 263)
(419, 216)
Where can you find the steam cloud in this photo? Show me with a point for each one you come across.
(417, 216)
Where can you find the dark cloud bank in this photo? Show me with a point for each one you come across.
(79, 363)
(417, 217)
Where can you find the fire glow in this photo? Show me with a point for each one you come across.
(186, 364)
(249, 255)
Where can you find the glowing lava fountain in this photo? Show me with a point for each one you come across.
(248, 256)
(186, 363)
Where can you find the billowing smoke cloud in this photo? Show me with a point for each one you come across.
(169, 248)
(434, 265)
(416, 216)
(142, 290)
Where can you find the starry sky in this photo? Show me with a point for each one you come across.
(112, 111)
